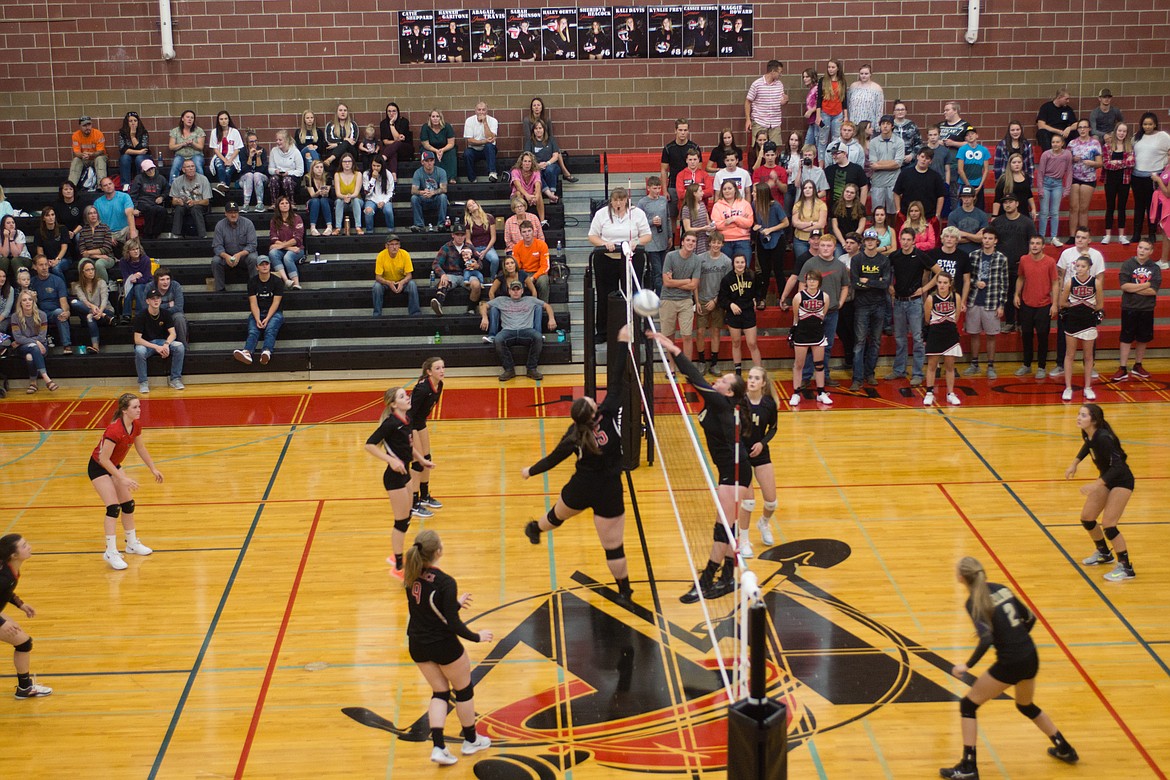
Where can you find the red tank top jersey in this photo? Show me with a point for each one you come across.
(123, 440)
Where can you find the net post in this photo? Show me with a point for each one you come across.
(590, 316)
(647, 391)
(757, 726)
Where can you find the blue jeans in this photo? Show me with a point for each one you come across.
(379, 295)
(799, 248)
(1050, 195)
(130, 165)
(269, 332)
(830, 131)
(142, 354)
(869, 313)
(506, 339)
(419, 204)
(733, 248)
(550, 176)
(177, 165)
(830, 336)
(62, 267)
(136, 295)
(311, 156)
(491, 258)
(82, 311)
(50, 315)
(355, 207)
(225, 173)
(33, 359)
(387, 212)
(319, 207)
(472, 155)
(908, 315)
(653, 276)
(286, 259)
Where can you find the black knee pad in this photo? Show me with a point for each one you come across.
(113, 510)
(967, 708)
(553, 520)
(128, 507)
(441, 695)
(1089, 525)
(465, 694)
(24, 647)
(416, 466)
(720, 534)
(402, 525)
(818, 365)
(616, 553)
(1111, 532)
(1029, 711)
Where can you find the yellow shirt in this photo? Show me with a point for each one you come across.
(393, 269)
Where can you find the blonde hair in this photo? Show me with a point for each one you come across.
(520, 161)
(419, 555)
(769, 388)
(971, 570)
(388, 402)
(1110, 139)
(473, 219)
(19, 316)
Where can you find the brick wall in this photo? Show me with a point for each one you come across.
(267, 60)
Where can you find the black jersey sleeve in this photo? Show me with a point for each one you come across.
(447, 598)
(562, 451)
(980, 649)
(383, 432)
(692, 373)
(768, 420)
(1108, 455)
(617, 389)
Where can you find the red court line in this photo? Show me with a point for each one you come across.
(292, 597)
(1059, 642)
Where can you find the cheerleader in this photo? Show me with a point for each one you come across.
(808, 332)
(14, 551)
(941, 312)
(724, 404)
(761, 400)
(595, 437)
(1004, 621)
(112, 485)
(433, 633)
(737, 298)
(1080, 309)
(427, 392)
(1107, 495)
(395, 444)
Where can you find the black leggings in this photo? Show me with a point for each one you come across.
(1143, 195)
(1116, 197)
(1034, 323)
(771, 263)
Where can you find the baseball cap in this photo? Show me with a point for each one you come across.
(148, 164)
(428, 155)
(153, 292)
(83, 119)
(966, 191)
(814, 233)
(840, 149)
(515, 285)
(1009, 196)
(886, 118)
(870, 233)
(231, 206)
(393, 237)
(1105, 93)
(263, 260)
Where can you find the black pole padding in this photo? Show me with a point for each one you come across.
(757, 727)
(590, 329)
(616, 360)
(648, 391)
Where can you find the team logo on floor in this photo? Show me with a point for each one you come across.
(630, 690)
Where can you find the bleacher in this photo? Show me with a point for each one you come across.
(328, 325)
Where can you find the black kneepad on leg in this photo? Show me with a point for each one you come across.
(1111, 532)
(24, 647)
(402, 525)
(113, 510)
(128, 507)
(553, 520)
(720, 535)
(967, 708)
(616, 553)
(1029, 711)
(441, 695)
(818, 365)
(416, 466)
(1089, 525)
(465, 694)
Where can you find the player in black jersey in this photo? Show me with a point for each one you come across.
(1107, 495)
(808, 333)
(1002, 620)
(595, 437)
(14, 551)
(761, 400)
(727, 423)
(433, 637)
(427, 392)
(1080, 306)
(394, 444)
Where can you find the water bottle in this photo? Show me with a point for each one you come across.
(560, 335)
(347, 226)
(317, 257)
(432, 277)
(447, 224)
(560, 248)
(438, 337)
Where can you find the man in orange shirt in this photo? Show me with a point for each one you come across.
(89, 151)
(532, 255)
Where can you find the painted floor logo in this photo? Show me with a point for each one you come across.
(630, 690)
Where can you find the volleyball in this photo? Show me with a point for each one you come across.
(646, 303)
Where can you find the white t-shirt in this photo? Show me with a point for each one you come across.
(744, 178)
(1068, 262)
(614, 231)
(474, 130)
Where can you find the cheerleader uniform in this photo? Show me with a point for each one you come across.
(764, 417)
(435, 627)
(1080, 318)
(943, 337)
(809, 330)
(1010, 633)
(123, 439)
(728, 449)
(739, 290)
(597, 483)
(395, 435)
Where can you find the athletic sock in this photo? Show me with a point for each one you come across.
(728, 568)
(437, 739)
(23, 680)
(702, 356)
(414, 500)
(623, 584)
(131, 537)
(424, 489)
(1123, 558)
(969, 755)
(712, 567)
(111, 543)
(397, 560)
(1102, 547)
(469, 734)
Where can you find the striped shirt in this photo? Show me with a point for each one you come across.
(767, 101)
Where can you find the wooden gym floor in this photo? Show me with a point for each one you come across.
(267, 608)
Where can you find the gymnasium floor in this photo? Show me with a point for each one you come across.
(264, 637)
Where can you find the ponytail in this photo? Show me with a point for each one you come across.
(581, 430)
(971, 570)
(739, 397)
(420, 555)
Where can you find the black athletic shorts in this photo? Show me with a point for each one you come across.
(763, 458)
(392, 480)
(96, 470)
(1013, 671)
(446, 651)
(1137, 326)
(727, 474)
(1125, 480)
(599, 492)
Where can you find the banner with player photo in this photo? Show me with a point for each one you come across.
(569, 33)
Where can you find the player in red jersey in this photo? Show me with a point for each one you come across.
(114, 487)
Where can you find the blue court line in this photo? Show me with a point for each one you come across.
(157, 549)
(816, 759)
(44, 437)
(1071, 561)
(32, 499)
(227, 590)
